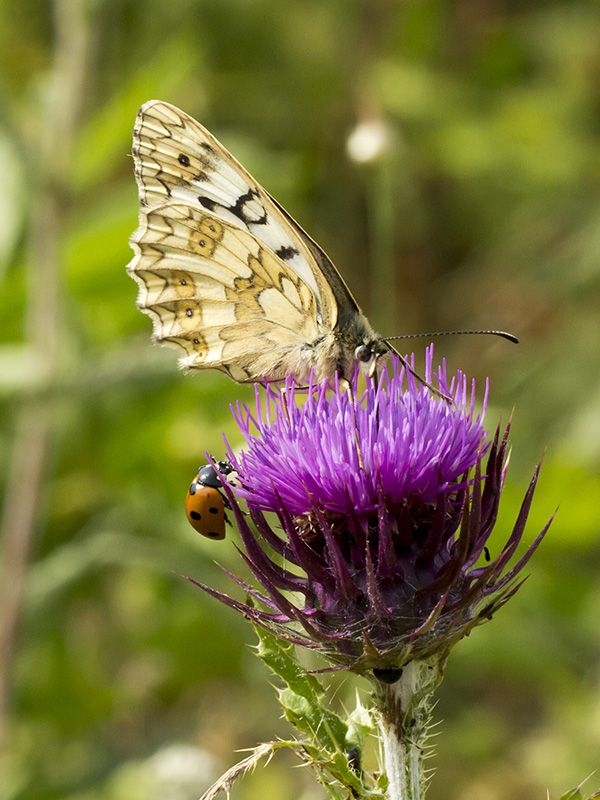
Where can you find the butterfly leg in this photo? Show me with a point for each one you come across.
(361, 461)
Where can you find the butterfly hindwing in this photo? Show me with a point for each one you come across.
(215, 291)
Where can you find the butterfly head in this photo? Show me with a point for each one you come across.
(368, 354)
(358, 345)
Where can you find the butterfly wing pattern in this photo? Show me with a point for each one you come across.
(225, 273)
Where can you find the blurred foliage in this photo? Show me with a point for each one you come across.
(480, 208)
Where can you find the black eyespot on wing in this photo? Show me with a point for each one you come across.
(285, 252)
(238, 209)
(207, 202)
(183, 160)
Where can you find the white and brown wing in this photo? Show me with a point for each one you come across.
(212, 289)
(223, 270)
(177, 159)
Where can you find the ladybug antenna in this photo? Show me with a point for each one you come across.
(503, 334)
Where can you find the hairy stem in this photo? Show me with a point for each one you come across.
(404, 715)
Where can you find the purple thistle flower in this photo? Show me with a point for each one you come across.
(342, 451)
(384, 510)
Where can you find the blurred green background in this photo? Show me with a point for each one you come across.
(446, 154)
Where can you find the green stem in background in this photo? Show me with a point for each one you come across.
(36, 421)
(382, 245)
(403, 714)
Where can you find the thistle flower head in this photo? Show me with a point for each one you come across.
(385, 499)
(343, 451)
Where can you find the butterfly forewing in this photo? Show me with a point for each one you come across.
(178, 158)
(223, 270)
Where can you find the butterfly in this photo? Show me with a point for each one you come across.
(224, 271)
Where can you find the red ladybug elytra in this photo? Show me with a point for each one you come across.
(204, 503)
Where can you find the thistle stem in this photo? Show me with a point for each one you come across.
(404, 715)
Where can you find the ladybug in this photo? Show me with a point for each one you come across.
(204, 503)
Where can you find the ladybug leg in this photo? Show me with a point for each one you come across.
(227, 504)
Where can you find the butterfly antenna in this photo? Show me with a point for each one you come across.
(503, 334)
(415, 374)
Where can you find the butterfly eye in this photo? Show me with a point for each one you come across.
(363, 353)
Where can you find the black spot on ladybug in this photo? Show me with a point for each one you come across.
(183, 160)
(286, 252)
(206, 202)
(195, 515)
(213, 510)
(213, 535)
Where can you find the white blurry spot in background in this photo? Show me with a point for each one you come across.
(176, 772)
(369, 140)
(180, 772)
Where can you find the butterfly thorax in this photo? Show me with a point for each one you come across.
(332, 352)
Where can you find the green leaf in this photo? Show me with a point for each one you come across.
(360, 725)
(301, 699)
(327, 733)
(576, 794)
(281, 659)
